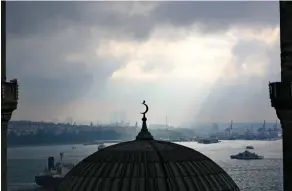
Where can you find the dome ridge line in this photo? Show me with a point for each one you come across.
(161, 163)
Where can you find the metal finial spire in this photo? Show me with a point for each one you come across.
(144, 134)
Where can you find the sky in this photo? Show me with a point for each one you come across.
(190, 61)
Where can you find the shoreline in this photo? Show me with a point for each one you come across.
(96, 142)
(104, 141)
(41, 145)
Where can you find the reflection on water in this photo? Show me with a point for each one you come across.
(25, 162)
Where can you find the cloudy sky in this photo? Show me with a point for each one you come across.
(190, 61)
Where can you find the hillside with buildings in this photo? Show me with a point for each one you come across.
(46, 133)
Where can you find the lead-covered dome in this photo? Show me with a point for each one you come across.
(147, 165)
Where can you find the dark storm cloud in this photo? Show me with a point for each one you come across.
(38, 43)
(52, 84)
(218, 15)
(59, 89)
(27, 18)
(45, 76)
(32, 18)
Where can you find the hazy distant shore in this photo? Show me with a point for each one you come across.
(40, 145)
(28, 133)
(52, 144)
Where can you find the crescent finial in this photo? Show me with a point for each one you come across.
(147, 108)
(144, 134)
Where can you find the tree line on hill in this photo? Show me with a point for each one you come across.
(48, 137)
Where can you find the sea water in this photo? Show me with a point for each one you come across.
(250, 175)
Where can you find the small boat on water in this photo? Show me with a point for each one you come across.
(246, 155)
(101, 146)
(208, 141)
(249, 147)
(53, 174)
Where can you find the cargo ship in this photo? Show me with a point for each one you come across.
(53, 174)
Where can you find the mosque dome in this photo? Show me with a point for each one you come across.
(146, 164)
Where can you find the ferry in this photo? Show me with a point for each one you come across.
(246, 155)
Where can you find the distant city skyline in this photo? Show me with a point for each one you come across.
(190, 61)
(186, 124)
